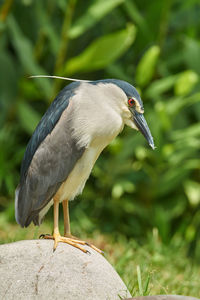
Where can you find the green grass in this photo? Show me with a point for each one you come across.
(148, 269)
(155, 268)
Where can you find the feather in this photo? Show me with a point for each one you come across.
(58, 77)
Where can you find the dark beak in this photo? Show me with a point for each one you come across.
(141, 124)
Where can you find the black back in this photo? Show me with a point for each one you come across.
(47, 123)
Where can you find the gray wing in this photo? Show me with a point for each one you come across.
(47, 123)
(50, 165)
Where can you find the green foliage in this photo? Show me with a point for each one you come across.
(102, 51)
(153, 45)
(28, 117)
(154, 268)
(146, 67)
(186, 83)
(94, 13)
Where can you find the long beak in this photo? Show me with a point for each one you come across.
(141, 124)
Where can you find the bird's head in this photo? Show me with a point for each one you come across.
(133, 104)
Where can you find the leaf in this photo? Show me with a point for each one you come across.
(191, 53)
(117, 191)
(185, 83)
(175, 104)
(24, 51)
(171, 179)
(161, 86)
(139, 278)
(137, 17)
(46, 27)
(8, 84)
(191, 131)
(95, 12)
(192, 190)
(102, 51)
(118, 71)
(163, 116)
(28, 117)
(146, 66)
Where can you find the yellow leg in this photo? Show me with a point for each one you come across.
(67, 231)
(68, 238)
(56, 233)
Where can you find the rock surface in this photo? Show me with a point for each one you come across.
(31, 270)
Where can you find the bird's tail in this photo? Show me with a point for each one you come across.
(23, 211)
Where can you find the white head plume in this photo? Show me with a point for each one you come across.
(58, 77)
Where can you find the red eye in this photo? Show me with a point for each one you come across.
(131, 102)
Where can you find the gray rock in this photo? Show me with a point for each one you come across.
(31, 270)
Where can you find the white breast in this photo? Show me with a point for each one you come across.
(75, 182)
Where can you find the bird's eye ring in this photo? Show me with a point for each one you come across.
(131, 102)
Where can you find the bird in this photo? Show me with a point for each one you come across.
(82, 120)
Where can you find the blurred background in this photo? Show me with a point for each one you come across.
(133, 190)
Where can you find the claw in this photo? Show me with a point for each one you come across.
(43, 235)
(71, 241)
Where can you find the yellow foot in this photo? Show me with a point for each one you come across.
(73, 241)
(69, 235)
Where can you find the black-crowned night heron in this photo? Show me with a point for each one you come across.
(82, 120)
